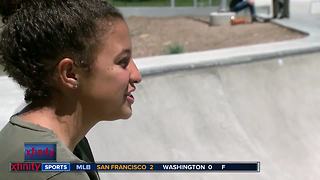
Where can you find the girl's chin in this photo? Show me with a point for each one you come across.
(127, 115)
(123, 116)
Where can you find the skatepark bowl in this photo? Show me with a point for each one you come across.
(266, 111)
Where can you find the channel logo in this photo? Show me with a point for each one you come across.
(29, 166)
(40, 152)
(52, 167)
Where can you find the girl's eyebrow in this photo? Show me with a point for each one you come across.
(124, 52)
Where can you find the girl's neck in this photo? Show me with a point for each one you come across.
(67, 123)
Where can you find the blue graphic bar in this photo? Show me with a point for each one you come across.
(169, 167)
(55, 167)
(138, 167)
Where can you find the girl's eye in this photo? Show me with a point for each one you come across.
(124, 62)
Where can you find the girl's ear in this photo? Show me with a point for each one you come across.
(67, 74)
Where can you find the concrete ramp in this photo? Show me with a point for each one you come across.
(266, 111)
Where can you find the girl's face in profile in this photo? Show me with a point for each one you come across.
(106, 92)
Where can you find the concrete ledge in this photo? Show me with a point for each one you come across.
(315, 7)
(220, 18)
(167, 11)
(244, 54)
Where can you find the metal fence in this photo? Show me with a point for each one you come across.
(164, 3)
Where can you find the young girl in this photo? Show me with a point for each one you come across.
(74, 59)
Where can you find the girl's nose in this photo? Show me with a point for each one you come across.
(135, 75)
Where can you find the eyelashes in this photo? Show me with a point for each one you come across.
(124, 62)
(124, 58)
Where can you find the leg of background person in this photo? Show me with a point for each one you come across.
(240, 6)
(244, 4)
(283, 9)
(280, 9)
(286, 9)
(252, 10)
(275, 8)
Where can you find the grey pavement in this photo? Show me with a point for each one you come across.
(263, 111)
(252, 103)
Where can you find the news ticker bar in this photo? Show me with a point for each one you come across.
(137, 167)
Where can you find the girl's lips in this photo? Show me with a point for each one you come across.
(130, 99)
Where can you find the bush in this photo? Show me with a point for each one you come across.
(175, 48)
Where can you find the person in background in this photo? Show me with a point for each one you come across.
(74, 60)
(281, 8)
(239, 5)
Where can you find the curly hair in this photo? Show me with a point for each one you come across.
(39, 33)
